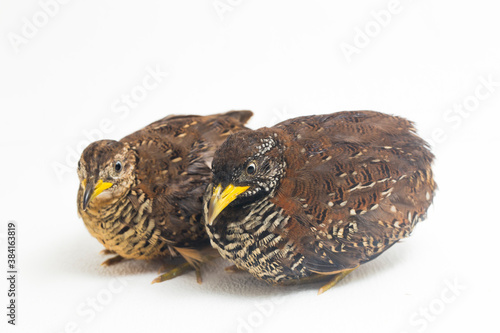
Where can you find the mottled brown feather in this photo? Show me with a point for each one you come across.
(155, 203)
(353, 184)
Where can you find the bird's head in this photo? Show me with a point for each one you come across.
(106, 172)
(247, 167)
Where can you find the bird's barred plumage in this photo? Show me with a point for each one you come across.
(330, 192)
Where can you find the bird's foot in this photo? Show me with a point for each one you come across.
(336, 278)
(177, 270)
(106, 252)
(194, 260)
(112, 261)
(233, 269)
(166, 266)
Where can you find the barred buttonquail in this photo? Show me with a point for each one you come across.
(141, 197)
(317, 195)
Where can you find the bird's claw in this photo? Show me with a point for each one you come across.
(112, 261)
(177, 271)
(106, 252)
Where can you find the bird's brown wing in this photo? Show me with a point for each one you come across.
(357, 183)
(173, 169)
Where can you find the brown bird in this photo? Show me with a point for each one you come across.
(142, 196)
(317, 195)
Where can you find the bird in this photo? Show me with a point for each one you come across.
(314, 197)
(141, 197)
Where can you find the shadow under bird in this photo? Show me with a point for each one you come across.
(317, 196)
(141, 197)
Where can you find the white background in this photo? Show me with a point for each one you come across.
(62, 83)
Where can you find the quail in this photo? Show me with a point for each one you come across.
(141, 197)
(317, 196)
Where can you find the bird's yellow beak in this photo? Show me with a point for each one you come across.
(219, 200)
(91, 191)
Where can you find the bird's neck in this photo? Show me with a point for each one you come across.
(108, 210)
(242, 219)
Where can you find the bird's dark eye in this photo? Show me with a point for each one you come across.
(251, 168)
(118, 166)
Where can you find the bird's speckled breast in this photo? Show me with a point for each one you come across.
(125, 230)
(256, 244)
